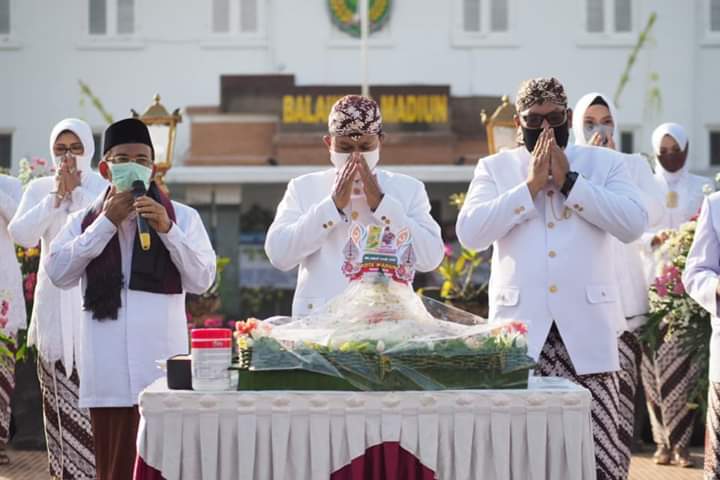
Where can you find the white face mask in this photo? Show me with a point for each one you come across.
(340, 159)
(81, 161)
(372, 158)
(605, 131)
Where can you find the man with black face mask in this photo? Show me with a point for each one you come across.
(668, 374)
(550, 211)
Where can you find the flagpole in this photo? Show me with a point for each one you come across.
(364, 31)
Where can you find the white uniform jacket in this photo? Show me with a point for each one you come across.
(552, 255)
(702, 273)
(309, 231)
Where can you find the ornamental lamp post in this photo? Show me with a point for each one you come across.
(500, 128)
(162, 126)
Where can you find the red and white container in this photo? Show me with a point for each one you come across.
(211, 357)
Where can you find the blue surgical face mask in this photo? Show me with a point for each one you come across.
(124, 174)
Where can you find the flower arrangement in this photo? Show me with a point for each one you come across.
(7, 343)
(457, 273)
(672, 311)
(34, 168)
(29, 260)
(4, 308)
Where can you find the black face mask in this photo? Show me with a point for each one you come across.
(672, 162)
(530, 136)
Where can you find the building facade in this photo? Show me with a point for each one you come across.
(253, 78)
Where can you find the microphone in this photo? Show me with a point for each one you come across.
(138, 190)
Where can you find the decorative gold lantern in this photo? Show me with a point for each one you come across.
(500, 128)
(162, 126)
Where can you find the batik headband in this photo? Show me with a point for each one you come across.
(355, 115)
(539, 91)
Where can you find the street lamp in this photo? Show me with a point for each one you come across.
(162, 126)
(500, 128)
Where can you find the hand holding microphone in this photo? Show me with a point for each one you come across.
(150, 214)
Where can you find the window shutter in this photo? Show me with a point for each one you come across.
(97, 139)
(248, 16)
(499, 16)
(715, 15)
(125, 16)
(623, 16)
(471, 15)
(4, 17)
(5, 150)
(97, 17)
(595, 16)
(221, 16)
(715, 148)
(627, 142)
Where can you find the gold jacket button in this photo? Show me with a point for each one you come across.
(553, 289)
(552, 254)
(330, 223)
(551, 225)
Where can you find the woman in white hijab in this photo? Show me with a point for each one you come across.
(595, 123)
(57, 313)
(668, 375)
(12, 301)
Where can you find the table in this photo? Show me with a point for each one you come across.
(543, 433)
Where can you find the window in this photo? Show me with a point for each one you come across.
(608, 16)
(485, 16)
(715, 147)
(715, 16)
(235, 17)
(111, 17)
(627, 141)
(4, 17)
(5, 150)
(97, 139)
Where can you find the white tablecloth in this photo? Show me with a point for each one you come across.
(540, 433)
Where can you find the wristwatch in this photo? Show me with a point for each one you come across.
(570, 178)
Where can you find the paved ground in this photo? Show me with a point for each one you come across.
(31, 466)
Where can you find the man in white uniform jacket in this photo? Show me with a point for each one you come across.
(551, 217)
(312, 221)
(134, 298)
(702, 281)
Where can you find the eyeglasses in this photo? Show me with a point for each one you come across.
(75, 149)
(535, 120)
(140, 160)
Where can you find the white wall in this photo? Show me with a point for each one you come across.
(171, 54)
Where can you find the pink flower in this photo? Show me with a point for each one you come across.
(679, 289)
(4, 307)
(517, 327)
(29, 284)
(246, 327)
(448, 250)
(3, 322)
(662, 291)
